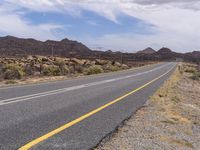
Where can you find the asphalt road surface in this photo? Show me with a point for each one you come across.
(74, 114)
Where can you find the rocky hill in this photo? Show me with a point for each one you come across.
(148, 50)
(12, 46)
(192, 56)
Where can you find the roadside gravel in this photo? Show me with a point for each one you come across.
(170, 120)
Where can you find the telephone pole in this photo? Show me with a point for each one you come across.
(52, 51)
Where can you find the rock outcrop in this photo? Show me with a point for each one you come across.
(16, 68)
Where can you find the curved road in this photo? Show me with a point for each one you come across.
(74, 114)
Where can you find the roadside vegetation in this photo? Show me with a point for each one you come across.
(94, 69)
(170, 119)
(14, 70)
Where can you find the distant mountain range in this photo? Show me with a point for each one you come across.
(167, 54)
(13, 46)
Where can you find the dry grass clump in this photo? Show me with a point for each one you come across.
(170, 101)
(192, 71)
(178, 142)
(159, 97)
(95, 69)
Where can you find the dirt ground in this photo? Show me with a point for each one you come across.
(170, 120)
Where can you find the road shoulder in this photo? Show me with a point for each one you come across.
(169, 120)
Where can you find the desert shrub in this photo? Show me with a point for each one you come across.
(190, 70)
(71, 69)
(29, 70)
(114, 68)
(95, 69)
(193, 70)
(79, 69)
(10, 82)
(13, 71)
(62, 65)
(1, 71)
(195, 76)
(64, 70)
(51, 70)
(59, 62)
(111, 68)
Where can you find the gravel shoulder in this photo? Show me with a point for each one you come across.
(170, 119)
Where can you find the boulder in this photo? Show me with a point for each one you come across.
(101, 62)
(29, 57)
(124, 66)
(117, 64)
(77, 61)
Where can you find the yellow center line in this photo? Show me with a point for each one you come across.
(65, 126)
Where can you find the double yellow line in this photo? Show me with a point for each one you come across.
(65, 126)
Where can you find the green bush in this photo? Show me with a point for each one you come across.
(95, 69)
(51, 71)
(13, 71)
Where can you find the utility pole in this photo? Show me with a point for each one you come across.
(100, 49)
(121, 58)
(52, 50)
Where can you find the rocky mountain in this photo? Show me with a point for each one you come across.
(192, 56)
(12, 46)
(148, 50)
(167, 54)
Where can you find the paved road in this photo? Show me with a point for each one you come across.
(74, 114)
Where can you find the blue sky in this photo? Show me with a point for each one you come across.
(111, 24)
(90, 24)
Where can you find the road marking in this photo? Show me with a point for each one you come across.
(60, 129)
(63, 90)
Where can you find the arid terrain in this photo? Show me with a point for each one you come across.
(99, 75)
(33, 69)
(14, 69)
(170, 119)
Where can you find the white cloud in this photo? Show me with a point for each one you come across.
(13, 23)
(176, 22)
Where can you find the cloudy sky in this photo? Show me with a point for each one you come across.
(128, 25)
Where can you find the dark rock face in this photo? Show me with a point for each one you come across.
(12, 46)
(164, 50)
(193, 56)
(167, 54)
(148, 50)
